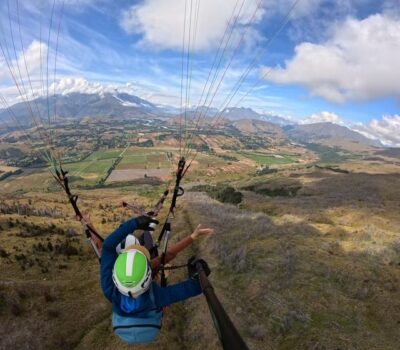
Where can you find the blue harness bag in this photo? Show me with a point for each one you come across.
(138, 330)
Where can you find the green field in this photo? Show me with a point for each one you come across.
(99, 166)
(139, 159)
(135, 151)
(73, 168)
(270, 159)
(108, 154)
(94, 169)
(143, 159)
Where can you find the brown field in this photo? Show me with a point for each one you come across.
(136, 174)
(216, 142)
(6, 169)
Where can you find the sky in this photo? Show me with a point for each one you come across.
(306, 60)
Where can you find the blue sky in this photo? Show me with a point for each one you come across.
(332, 61)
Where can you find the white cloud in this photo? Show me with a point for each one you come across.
(149, 91)
(359, 62)
(31, 56)
(160, 23)
(323, 117)
(70, 85)
(387, 130)
(23, 77)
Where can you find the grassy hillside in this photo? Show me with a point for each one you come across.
(319, 270)
(310, 259)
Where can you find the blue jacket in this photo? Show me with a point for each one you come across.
(126, 306)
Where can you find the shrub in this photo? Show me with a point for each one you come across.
(224, 194)
(71, 232)
(258, 331)
(3, 253)
(66, 248)
(3, 301)
(48, 297)
(396, 246)
(53, 313)
(38, 247)
(20, 257)
(228, 195)
(17, 309)
(293, 318)
(228, 158)
(265, 170)
(22, 293)
(237, 260)
(289, 191)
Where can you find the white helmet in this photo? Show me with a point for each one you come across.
(132, 272)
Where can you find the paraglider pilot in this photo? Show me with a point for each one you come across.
(126, 280)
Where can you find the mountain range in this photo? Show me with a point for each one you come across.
(247, 113)
(330, 134)
(80, 105)
(123, 105)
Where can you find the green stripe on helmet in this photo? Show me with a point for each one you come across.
(137, 267)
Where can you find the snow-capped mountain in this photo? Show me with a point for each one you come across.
(79, 105)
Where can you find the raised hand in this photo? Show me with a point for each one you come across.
(200, 231)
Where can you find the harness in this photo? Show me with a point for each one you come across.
(167, 228)
(94, 238)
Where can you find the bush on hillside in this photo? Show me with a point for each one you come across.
(3, 253)
(222, 193)
(265, 170)
(281, 191)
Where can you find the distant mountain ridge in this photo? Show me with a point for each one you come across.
(124, 105)
(78, 105)
(247, 113)
(329, 134)
(260, 127)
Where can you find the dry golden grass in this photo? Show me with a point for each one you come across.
(319, 270)
(61, 306)
(300, 286)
